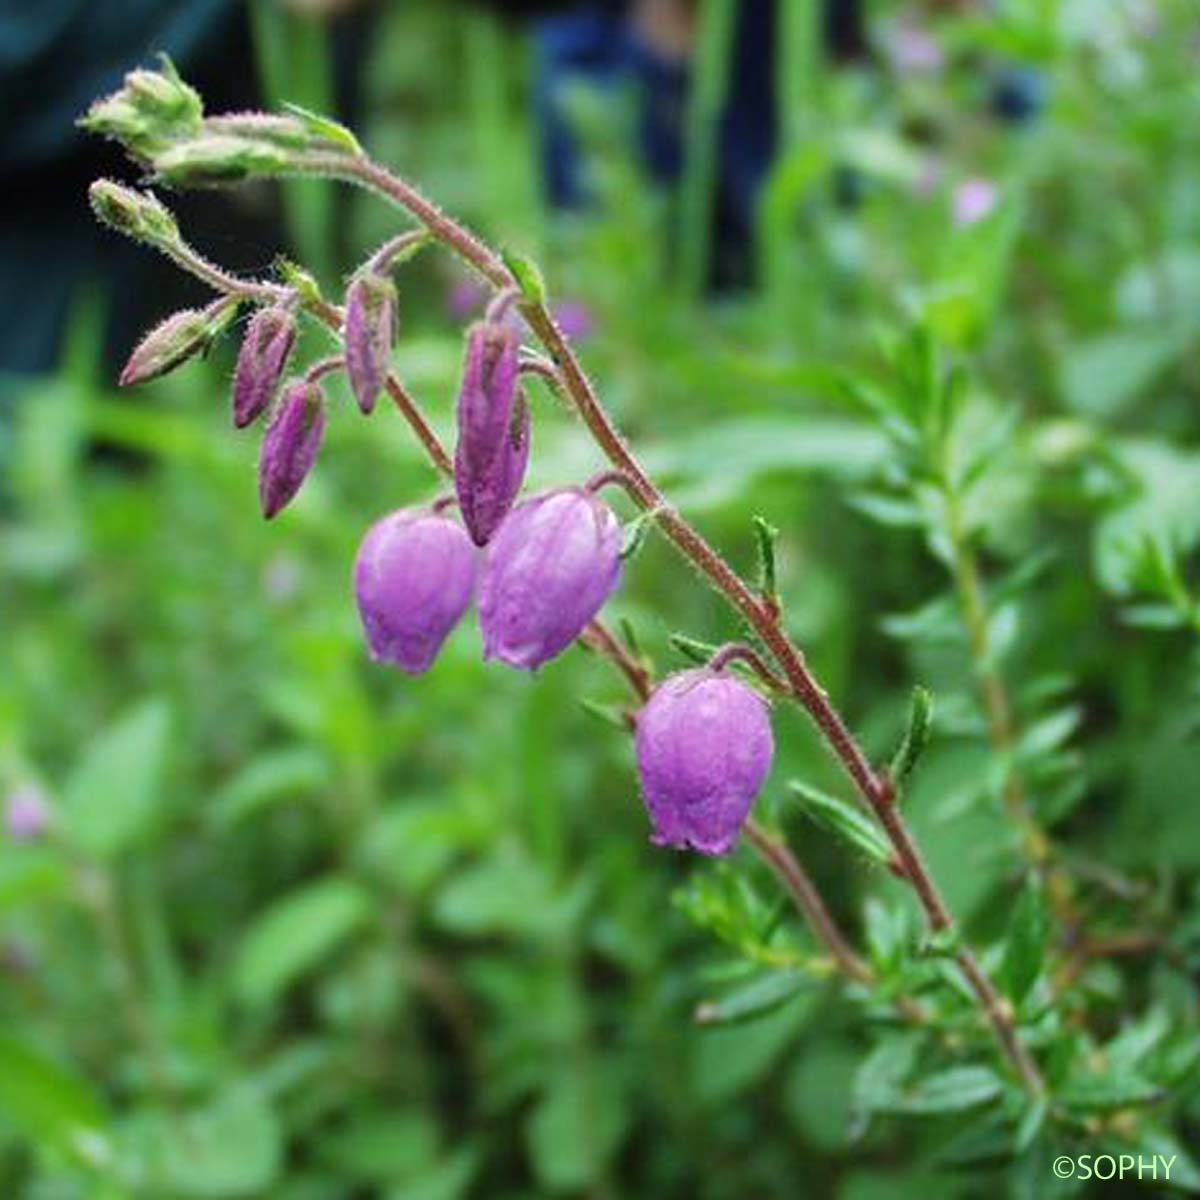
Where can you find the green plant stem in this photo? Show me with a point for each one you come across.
(874, 787)
(996, 703)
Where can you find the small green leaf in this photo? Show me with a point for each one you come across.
(693, 648)
(633, 536)
(916, 735)
(325, 128)
(766, 535)
(229, 1149)
(112, 798)
(1024, 947)
(48, 1103)
(843, 821)
(294, 935)
(952, 1090)
(1104, 1093)
(606, 714)
(761, 995)
(525, 275)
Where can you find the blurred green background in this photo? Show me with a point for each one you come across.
(303, 928)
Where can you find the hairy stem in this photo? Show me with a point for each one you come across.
(874, 787)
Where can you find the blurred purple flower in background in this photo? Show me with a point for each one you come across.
(574, 318)
(912, 50)
(25, 813)
(973, 200)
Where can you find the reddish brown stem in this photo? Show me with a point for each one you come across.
(873, 787)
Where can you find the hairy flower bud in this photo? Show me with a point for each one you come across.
(369, 331)
(413, 580)
(548, 570)
(290, 445)
(181, 336)
(152, 110)
(493, 429)
(136, 214)
(266, 345)
(704, 747)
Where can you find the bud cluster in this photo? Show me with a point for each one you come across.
(539, 571)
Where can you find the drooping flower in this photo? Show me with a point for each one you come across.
(181, 336)
(25, 813)
(493, 429)
(973, 200)
(368, 333)
(547, 572)
(704, 747)
(413, 580)
(267, 343)
(290, 445)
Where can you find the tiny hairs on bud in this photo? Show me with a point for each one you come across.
(413, 580)
(290, 445)
(547, 572)
(704, 747)
(368, 332)
(493, 429)
(261, 361)
(181, 336)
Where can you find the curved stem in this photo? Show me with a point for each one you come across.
(874, 787)
(740, 652)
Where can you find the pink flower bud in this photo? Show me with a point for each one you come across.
(413, 580)
(547, 572)
(268, 341)
(704, 747)
(290, 445)
(493, 430)
(181, 336)
(25, 815)
(369, 329)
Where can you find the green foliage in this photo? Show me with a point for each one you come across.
(301, 928)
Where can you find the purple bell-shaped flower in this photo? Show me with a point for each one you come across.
(704, 747)
(547, 572)
(413, 580)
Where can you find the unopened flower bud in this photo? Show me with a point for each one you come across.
(290, 445)
(548, 571)
(181, 336)
(152, 110)
(25, 815)
(262, 358)
(370, 327)
(211, 159)
(136, 214)
(704, 747)
(493, 430)
(413, 580)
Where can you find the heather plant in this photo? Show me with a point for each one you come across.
(356, 933)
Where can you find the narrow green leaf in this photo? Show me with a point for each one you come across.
(325, 128)
(952, 1090)
(294, 935)
(1025, 943)
(766, 535)
(761, 995)
(1104, 1093)
(526, 275)
(693, 648)
(916, 735)
(633, 536)
(112, 798)
(48, 1103)
(606, 714)
(843, 821)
